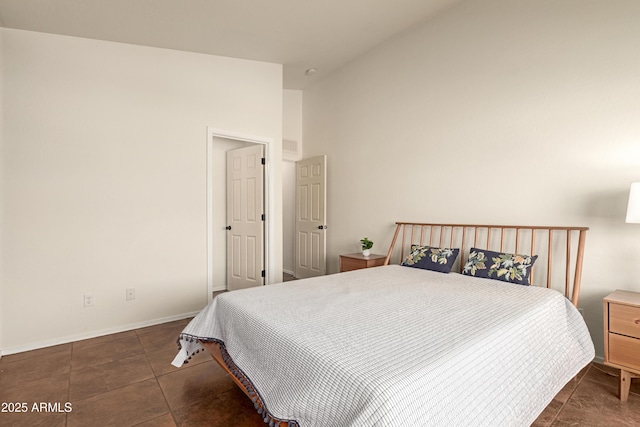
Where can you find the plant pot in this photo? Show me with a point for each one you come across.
(366, 252)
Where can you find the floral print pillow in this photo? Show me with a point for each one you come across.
(510, 268)
(430, 258)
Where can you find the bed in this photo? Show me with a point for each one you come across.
(457, 341)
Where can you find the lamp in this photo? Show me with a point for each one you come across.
(633, 208)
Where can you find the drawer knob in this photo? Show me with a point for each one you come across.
(637, 322)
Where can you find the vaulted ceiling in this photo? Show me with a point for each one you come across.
(299, 34)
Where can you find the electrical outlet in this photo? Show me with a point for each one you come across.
(88, 300)
(131, 294)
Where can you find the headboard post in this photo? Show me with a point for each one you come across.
(577, 278)
(393, 243)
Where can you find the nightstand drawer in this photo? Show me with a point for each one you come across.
(350, 262)
(347, 264)
(624, 319)
(624, 351)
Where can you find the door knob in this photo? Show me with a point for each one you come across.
(228, 227)
(322, 227)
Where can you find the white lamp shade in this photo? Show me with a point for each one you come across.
(633, 208)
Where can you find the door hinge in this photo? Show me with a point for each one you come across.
(264, 273)
(264, 161)
(263, 217)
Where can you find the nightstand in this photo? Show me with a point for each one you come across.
(350, 262)
(622, 337)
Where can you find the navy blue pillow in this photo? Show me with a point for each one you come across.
(430, 258)
(510, 268)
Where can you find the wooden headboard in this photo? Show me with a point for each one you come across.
(553, 245)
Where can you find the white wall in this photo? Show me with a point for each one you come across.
(292, 117)
(288, 216)
(493, 112)
(291, 130)
(104, 167)
(1, 187)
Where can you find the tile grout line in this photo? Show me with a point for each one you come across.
(570, 395)
(155, 377)
(66, 415)
(109, 390)
(617, 375)
(164, 396)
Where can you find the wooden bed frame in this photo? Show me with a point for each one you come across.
(545, 242)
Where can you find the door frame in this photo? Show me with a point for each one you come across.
(213, 133)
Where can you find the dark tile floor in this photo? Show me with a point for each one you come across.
(126, 379)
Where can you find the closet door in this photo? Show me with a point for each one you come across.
(245, 217)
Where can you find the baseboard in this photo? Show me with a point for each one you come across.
(94, 334)
(288, 272)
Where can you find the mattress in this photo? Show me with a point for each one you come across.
(396, 345)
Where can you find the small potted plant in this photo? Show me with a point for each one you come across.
(366, 246)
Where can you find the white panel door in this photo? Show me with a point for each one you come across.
(245, 220)
(311, 212)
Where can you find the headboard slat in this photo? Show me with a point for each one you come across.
(533, 249)
(567, 275)
(549, 258)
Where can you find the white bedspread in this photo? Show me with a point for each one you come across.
(399, 346)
